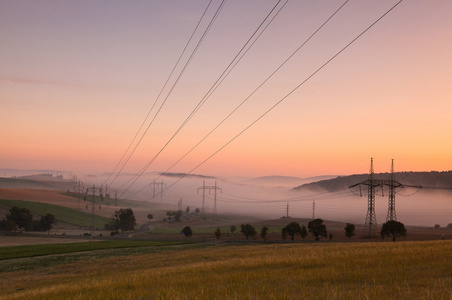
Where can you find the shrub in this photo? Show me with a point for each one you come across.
(187, 231)
(218, 233)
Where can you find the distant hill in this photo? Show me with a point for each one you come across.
(286, 180)
(424, 179)
(185, 175)
(25, 183)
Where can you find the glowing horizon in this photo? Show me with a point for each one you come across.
(78, 79)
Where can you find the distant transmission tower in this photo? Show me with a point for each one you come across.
(93, 207)
(313, 209)
(204, 188)
(154, 184)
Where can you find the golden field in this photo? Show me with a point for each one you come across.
(325, 270)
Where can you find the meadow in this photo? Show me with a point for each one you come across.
(61, 213)
(324, 270)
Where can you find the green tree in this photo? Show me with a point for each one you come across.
(218, 233)
(303, 232)
(21, 217)
(248, 230)
(349, 230)
(291, 230)
(124, 219)
(46, 223)
(317, 228)
(264, 233)
(187, 231)
(394, 229)
(233, 228)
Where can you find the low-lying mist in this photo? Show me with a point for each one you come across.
(265, 200)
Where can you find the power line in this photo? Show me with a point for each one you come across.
(164, 86)
(287, 95)
(220, 79)
(213, 88)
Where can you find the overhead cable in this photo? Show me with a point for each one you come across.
(285, 97)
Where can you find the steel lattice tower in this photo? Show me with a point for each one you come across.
(371, 219)
(204, 188)
(391, 201)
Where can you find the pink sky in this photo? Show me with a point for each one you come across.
(77, 79)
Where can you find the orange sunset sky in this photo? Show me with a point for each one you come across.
(78, 78)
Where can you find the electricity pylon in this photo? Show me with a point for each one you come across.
(371, 220)
(93, 207)
(204, 188)
(391, 201)
(161, 184)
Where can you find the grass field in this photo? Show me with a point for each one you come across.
(63, 214)
(45, 249)
(401, 270)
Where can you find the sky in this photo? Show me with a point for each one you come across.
(78, 78)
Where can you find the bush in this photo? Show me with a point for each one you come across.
(187, 231)
(218, 233)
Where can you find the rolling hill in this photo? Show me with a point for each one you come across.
(432, 179)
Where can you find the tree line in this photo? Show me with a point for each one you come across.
(21, 219)
(315, 227)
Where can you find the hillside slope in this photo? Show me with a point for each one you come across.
(425, 179)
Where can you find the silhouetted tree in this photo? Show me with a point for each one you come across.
(218, 233)
(7, 225)
(187, 210)
(197, 210)
(437, 226)
(124, 219)
(150, 217)
(291, 230)
(233, 228)
(317, 228)
(187, 231)
(349, 230)
(394, 229)
(303, 232)
(264, 233)
(248, 230)
(47, 222)
(21, 217)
